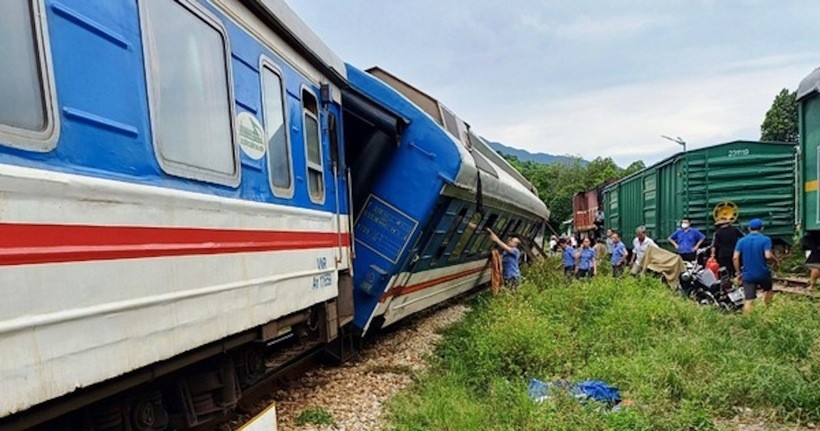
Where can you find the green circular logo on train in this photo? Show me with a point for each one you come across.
(251, 135)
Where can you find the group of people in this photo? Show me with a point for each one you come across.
(582, 262)
(745, 257)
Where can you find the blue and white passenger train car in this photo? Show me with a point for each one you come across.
(171, 176)
(419, 226)
(179, 182)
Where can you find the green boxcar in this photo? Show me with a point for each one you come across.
(759, 177)
(808, 96)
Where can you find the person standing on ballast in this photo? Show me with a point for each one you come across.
(754, 250)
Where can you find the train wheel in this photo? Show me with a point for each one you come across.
(148, 413)
(250, 365)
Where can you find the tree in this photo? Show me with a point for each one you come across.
(557, 183)
(780, 123)
(635, 166)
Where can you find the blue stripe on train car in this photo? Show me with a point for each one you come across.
(400, 205)
(99, 72)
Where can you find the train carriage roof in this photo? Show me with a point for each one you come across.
(284, 21)
(500, 183)
(809, 84)
(497, 183)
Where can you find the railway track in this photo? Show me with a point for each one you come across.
(272, 389)
(793, 286)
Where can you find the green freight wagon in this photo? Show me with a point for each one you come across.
(808, 97)
(759, 177)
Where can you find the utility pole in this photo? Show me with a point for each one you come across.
(681, 142)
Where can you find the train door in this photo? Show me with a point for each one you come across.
(371, 137)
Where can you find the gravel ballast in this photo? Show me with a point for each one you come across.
(354, 393)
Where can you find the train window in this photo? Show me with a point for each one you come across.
(191, 108)
(525, 229)
(26, 115)
(315, 170)
(279, 160)
(498, 228)
(512, 227)
(454, 227)
(501, 225)
(465, 237)
(333, 138)
(481, 235)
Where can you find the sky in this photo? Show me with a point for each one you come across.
(588, 78)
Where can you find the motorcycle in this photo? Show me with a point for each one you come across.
(701, 285)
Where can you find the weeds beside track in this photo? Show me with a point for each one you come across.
(683, 366)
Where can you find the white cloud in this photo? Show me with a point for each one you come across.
(626, 122)
(602, 27)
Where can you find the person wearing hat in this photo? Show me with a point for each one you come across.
(754, 249)
(724, 242)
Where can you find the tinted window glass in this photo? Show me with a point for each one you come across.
(279, 150)
(21, 88)
(465, 237)
(312, 136)
(316, 183)
(456, 224)
(192, 116)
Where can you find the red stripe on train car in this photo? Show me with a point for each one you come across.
(22, 244)
(404, 290)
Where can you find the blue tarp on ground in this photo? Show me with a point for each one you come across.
(588, 389)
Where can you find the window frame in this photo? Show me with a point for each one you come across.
(444, 243)
(464, 241)
(455, 234)
(319, 200)
(45, 140)
(171, 167)
(267, 63)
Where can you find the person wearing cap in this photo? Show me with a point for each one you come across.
(686, 240)
(724, 242)
(754, 249)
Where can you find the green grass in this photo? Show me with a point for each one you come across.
(682, 365)
(315, 416)
(793, 263)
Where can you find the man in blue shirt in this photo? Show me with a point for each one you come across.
(509, 259)
(567, 257)
(686, 240)
(586, 263)
(754, 249)
(619, 254)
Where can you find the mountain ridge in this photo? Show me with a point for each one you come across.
(525, 155)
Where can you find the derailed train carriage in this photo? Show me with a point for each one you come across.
(422, 200)
(179, 179)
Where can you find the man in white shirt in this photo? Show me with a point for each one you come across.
(639, 246)
(553, 244)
